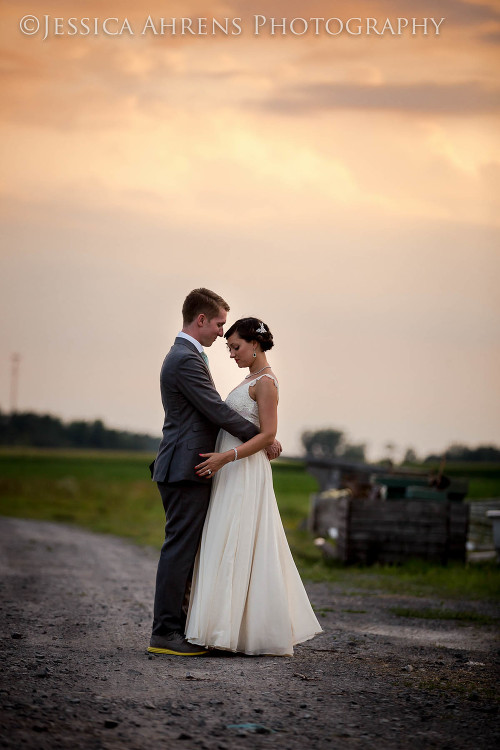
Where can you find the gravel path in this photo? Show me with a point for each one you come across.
(74, 671)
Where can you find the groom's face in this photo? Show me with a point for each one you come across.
(213, 328)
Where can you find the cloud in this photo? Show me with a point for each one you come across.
(492, 37)
(468, 98)
(456, 12)
(79, 83)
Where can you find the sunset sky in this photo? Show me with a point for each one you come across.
(344, 188)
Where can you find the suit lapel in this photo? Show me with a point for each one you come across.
(190, 345)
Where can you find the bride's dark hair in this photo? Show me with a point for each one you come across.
(252, 329)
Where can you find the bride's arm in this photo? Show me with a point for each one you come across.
(266, 395)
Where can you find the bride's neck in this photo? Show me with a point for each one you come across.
(258, 364)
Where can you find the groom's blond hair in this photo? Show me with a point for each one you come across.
(202, 301)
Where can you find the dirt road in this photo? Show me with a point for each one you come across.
(75, 620)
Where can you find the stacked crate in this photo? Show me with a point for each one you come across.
(410, 520)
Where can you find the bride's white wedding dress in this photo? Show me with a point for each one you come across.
(246, 593)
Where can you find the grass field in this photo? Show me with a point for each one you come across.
(112, 493)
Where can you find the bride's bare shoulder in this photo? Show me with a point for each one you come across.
(265, 382)
(273, 377)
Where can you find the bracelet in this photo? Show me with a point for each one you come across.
(235, 454)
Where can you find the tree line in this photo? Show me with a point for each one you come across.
(333, 444)
(460, 452)
(46, 431)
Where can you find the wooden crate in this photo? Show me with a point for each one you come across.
(392, 531)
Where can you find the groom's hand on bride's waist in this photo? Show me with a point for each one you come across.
(274, 450)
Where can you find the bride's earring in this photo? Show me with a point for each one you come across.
(254, 355)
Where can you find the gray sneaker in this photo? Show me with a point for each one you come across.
(176, 644)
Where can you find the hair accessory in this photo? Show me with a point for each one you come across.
(261, 329)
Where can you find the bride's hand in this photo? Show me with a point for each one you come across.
(212, 464)
(274, 450)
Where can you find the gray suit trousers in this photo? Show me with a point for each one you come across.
(186, 505)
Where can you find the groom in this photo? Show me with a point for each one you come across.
(194, 412)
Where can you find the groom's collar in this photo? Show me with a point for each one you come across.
(197, 344)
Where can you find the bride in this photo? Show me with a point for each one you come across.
(246, 592)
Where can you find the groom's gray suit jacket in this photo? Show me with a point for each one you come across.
(194, 412)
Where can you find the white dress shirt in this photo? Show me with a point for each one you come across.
(192, 340)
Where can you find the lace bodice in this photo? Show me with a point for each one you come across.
(241, 401)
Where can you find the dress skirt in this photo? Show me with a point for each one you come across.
(247, 594)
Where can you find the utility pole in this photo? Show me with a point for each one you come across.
(14, 381)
